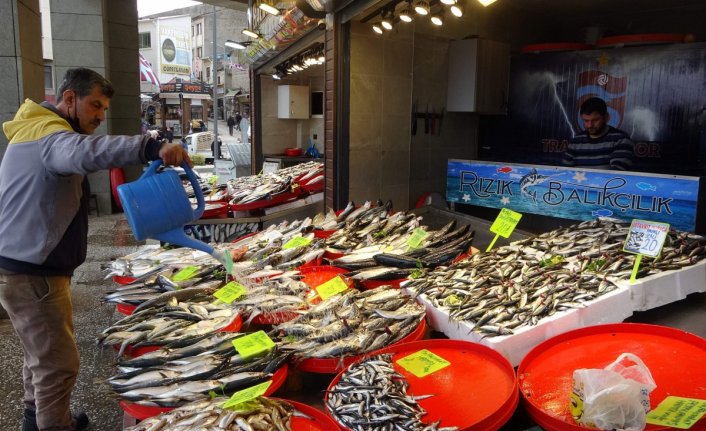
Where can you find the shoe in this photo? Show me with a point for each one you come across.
(30, 421)
(81, 419)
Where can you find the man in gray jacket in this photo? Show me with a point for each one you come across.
(43, 230)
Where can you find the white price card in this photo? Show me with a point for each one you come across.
(646, 237)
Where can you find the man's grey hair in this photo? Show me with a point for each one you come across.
(82, 80)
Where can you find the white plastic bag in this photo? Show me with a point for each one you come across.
(617, 397)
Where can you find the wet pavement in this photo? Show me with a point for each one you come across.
(110, 237)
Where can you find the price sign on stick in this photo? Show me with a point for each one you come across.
(645, 238)
(230, 292)
(418, 235)
(186, 273)
(504, 224)
(297, 241)
(253, 344)
(248, 394)
(332, 287)
(423, 362)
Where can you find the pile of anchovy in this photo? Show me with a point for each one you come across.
(350, 323)
(519, 284)
(273, 296)
(261, 414)
(198, 370)
(253, 188)
(372, 395)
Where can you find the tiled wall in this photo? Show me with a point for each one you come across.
(455, 134)
(380, 102)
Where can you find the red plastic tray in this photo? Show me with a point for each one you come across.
(478, 391)
(123, 279)
(316, 275)
(317, 421)
(325, 233)
(675, 358)
(131, 352)
(372, 284)
(265, 203)
(334, 365)
(143, 412)
(125, 309)
(215, 210)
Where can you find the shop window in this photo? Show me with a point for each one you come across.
(145, 40)
(199, 52)
(208, 71)
(219, 79)
(48, 78)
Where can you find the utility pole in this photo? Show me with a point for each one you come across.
(214, 72)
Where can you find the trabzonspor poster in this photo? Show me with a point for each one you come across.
(575, 193)
(656, 94)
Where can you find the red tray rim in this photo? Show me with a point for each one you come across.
(505, 411)
(641, 38)
(550, 422)
(280, 198)
(559, 46)
(123, 279)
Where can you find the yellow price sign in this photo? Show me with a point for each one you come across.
(185, 273)
(418, 235)
(230, 292)
(452, 300)
(297, 241)
(253, 344)
(248, 394)
(677, 412)
(505, 223)
(332, 287)
(213, 179)
(423, 362)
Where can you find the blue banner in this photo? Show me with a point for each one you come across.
(575, 193)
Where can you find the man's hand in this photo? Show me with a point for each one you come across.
(174, 154)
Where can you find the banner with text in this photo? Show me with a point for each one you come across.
(575, 193)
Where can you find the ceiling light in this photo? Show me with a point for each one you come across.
(377, 28)
(321, 59)
(249, 33)
(233, 44)
(421, 7)
(457, 10)
(486, 2)
(436, 19)
(448, 2)
(269, 8)
(276, 76)
(386, 22)
(406, 14)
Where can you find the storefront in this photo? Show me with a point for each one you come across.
(183, 102)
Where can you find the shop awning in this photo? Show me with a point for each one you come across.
(146, 73)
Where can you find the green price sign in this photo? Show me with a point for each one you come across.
(505, 223)
(332, 287)
(423, 363)
(677, 412)
(248, 394)
(230, 292)
(418, 235)
(185, 273)
(253, 344)
(297, 241)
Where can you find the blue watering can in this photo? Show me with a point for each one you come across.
(156, 206)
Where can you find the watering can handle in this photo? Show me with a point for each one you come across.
(201, 204)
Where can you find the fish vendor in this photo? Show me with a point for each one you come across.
(44, 196)
(599, 145)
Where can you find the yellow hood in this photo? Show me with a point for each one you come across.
(32, 123)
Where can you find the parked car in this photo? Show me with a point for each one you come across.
(202, 143)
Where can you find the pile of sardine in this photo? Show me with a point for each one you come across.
(350, 323)
(371, 395)
(261, 414)
(264, 251)
(180, 373)
(596, 245)
(521, 283)
(254, 188)
(273, 297)
(163, 321)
